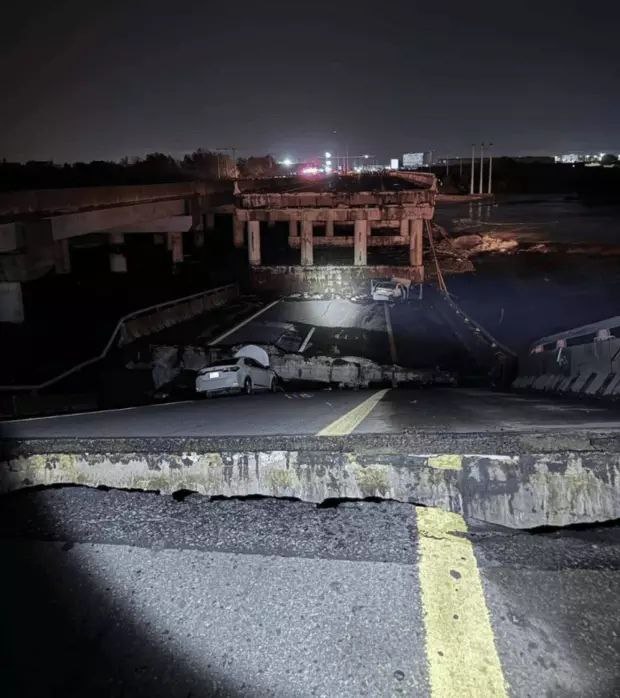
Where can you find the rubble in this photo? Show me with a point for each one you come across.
(339, 371)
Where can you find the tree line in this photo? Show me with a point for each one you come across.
(154, 168)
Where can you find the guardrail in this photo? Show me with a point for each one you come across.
(140, 323)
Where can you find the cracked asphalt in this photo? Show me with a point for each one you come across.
(111, 593)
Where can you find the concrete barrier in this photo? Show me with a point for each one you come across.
(581, 361)
(517, 480)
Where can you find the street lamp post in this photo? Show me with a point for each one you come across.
(481, 167)
(473, 167)
(490, 188)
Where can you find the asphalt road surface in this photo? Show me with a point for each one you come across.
(110, 593)
(420, 337)
(459, 410)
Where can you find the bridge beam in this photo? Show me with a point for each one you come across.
(138, 218)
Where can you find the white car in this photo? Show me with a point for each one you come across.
(246, 372)
(388, 291)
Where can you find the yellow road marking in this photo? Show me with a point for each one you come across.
(446, 461)
(349, 421)
(460, 646)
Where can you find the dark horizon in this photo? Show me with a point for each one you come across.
(103, 82)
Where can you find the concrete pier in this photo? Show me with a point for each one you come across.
(118, 258)
(254, 254)
(11, 302)
(175, 245)
(62, 257)
(307, 252)
(238, 232)
(416, 238)
(360, 242)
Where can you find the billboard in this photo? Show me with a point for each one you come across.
(413, 160)
(394, 163)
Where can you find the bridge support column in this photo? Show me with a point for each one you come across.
(307, 251)
(118, 258)
(199, 238)
(293, 229)
(416, 240)
(175, 245)
(360, 242)
(404, 228)
(329, 228)
(210, 220)
(11, 302)
(238, 230)
(62, 256)
(195, 208)
(254, 243)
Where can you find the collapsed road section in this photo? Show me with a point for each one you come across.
(521, 480)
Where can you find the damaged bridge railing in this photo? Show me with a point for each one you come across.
(143, 322)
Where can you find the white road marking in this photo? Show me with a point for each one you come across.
(304, 344)
(217, 340)
(97, 412)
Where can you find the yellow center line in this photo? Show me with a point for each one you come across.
(460, 646)
(349, 421)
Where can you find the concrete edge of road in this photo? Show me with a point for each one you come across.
(577, 481)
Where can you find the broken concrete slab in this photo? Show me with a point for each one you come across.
(518, 480)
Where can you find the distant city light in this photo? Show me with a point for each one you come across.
(573, 158)
(287, 162)
(328, 155)
(310, 170)
(366, 156)
(328, 169)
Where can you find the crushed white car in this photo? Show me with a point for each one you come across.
(392, 291)
(247, 371)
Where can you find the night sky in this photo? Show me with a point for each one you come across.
(101, 80)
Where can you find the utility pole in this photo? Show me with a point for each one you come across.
(447, 167)
(430, 159)
(490, 190)
(473, 167)
(481, 167)
(460, 167)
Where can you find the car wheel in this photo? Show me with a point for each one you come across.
(247, 386)
(274, 385)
